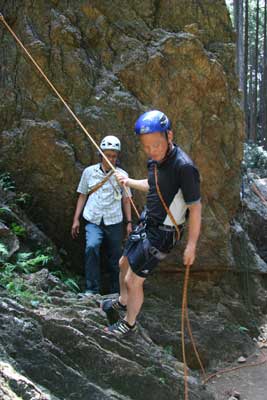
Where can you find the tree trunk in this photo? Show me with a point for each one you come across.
(245, 86)
(251, 91)
(238, 20)
(264, 86)
(255, 94)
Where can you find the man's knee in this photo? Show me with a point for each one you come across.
(133, 281)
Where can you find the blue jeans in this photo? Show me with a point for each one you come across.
(95, 235)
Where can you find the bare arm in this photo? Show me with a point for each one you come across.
(193, 233)
(75, 229)
(139, 184)
(126, 205)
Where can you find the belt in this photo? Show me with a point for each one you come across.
(165, 228)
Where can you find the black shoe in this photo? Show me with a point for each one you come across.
(121, 328)
(113, 309)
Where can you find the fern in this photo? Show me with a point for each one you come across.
(72, 285)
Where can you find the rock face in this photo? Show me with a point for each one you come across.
(18, 233)
(111, 61)
(254, 216)
(63, 351)
(57, 348)
(52, 343)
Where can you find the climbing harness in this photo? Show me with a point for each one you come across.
(2, 19)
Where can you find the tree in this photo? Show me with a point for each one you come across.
(238, 19)
(254, 114)
(245, 81)
(264, 79)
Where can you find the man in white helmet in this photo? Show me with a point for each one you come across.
(102, 199)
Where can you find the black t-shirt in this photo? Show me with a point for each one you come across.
(179, 183)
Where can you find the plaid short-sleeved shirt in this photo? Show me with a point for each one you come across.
(105, 202)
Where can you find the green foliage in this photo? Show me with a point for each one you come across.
(255, 157)
(18, 230)
(71, 282)
(22, 199)
(169, 350)
(72, 285)
(243, 329)
(16, 286)
(30, 262)
(4, 210)
(26, 263)
(6, 182)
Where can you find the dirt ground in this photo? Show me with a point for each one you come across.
(250, 382)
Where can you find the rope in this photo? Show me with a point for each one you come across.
(193, 340)
(2, 19)
(224, 371)
(168, 211)
(184, 314)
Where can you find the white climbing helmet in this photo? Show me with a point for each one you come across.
(110, 143)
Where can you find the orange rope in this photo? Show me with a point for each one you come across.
(184, 307)
(168, 211)
(2, 19)
(224, 371)
(193, 342)
(184, 298)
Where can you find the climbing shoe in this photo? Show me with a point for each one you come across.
(113, 309)
(121, 328)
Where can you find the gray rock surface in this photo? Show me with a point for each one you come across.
(62, 348)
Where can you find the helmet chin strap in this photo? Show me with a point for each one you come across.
(169, 148)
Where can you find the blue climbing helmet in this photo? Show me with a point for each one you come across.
(151, 122)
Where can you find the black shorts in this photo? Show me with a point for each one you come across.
(141, 259)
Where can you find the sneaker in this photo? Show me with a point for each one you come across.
(113, 309)
(121, 328)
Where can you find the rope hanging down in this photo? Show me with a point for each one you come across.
(184, 316)
(2, 19)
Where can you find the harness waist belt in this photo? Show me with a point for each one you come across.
(168, 228)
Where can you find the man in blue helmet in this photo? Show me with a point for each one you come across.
(173, 187)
